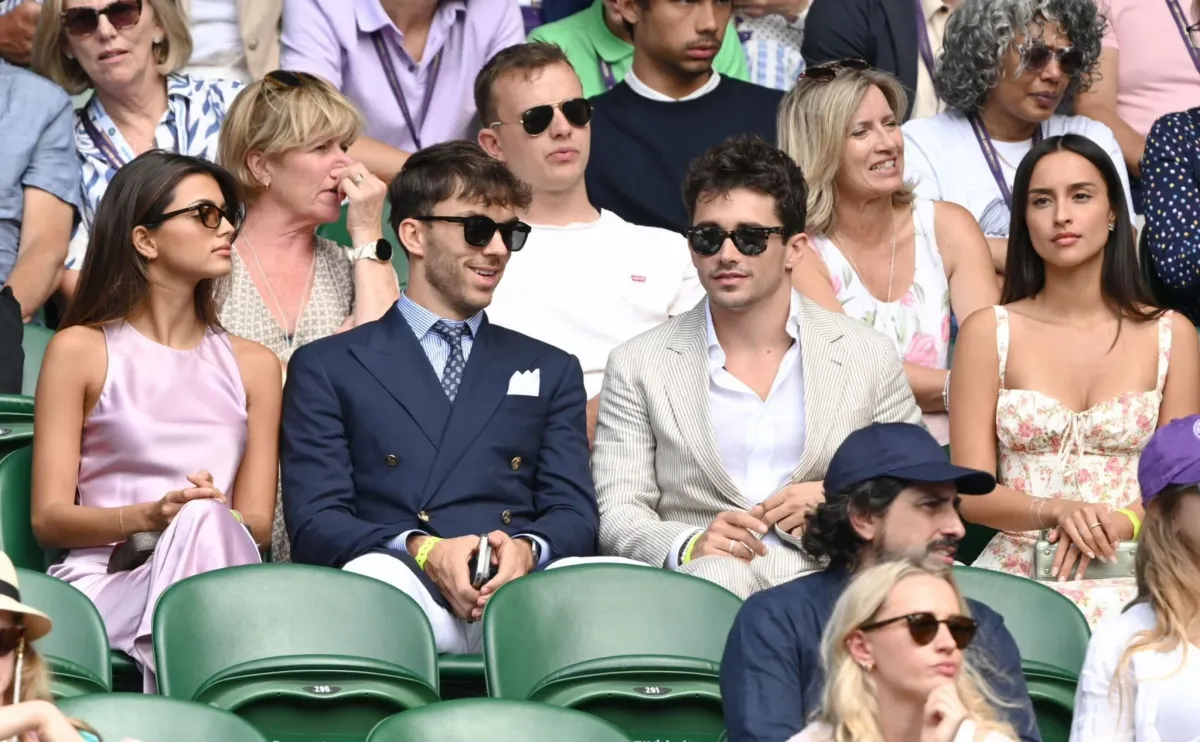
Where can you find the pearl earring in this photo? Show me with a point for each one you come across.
(1112, 226)
(158, 41)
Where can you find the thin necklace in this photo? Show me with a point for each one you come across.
(289, 338)
(891, 268)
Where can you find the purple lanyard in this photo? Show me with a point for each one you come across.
(993, 157)
(607, 73)
(108, 150)
(923, 44)
(389, 71)
(1182, 24)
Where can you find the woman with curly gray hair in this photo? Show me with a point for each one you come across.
(1005, 68)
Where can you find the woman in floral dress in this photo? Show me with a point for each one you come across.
(897, 263)
(1059, 388)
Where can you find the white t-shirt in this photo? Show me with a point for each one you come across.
(586, 288)
(216, 37)
(942, 157)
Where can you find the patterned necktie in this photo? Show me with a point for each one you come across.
(452, 374)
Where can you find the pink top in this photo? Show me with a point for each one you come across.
(163, 414)
(1155, 72)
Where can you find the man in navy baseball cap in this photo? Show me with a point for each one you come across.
(890, 490)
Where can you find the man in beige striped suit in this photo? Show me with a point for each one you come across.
(715, 428)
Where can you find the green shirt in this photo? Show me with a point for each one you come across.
(587, 41)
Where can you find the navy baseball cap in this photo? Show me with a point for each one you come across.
(1171, 456)
(903, 451)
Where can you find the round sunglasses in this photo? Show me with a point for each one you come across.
(84, 21)
(479, 230)
(749, 241)
(1036, 57)
(923, 628)
(577, 111)
(209, 214)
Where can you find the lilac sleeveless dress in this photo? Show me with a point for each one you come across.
(163, 414)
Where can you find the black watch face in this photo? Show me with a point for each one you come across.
(383, 250)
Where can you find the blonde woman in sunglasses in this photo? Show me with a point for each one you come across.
(895, 663)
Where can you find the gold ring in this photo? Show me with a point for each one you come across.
(1093, 526)
(358, 180)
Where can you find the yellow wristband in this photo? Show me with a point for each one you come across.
(1136, 521)
(237, 515)
(687, 553)
(423, 552)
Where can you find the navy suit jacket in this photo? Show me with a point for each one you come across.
(371, 446)
(771, 677)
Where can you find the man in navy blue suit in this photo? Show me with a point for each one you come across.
(406, 439)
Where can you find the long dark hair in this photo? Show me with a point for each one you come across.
(114, 280)
(829, 534)
(1122, 284)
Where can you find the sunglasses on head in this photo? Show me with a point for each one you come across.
(10, 639)
(84, 21)
(923, 627)
(289, 79)
(577, 111)
(748, 240)
(829, 70)
(208, 213)
(1036, 57)
(479, 230)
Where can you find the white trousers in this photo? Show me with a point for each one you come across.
(453, 634)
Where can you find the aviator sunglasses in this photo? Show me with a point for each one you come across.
(923, 627)
(749, 241)
(207, 212)
(478, 230)
(829, 70)
(10, 639)
(84, 21)
(1036, 56)
(577, 111)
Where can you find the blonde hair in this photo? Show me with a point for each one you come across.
(35, 685)
(1168, 579)
(849, 705)
(50, 41)
(814, 120)
(270, 118)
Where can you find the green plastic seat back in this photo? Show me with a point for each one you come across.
(476, 719)
(551, 620)
(16, 422)
(337, 232)
(118, 716)
(34, 344)
(257, 613)
(1046, 626)
(16, 531)
(77, 648)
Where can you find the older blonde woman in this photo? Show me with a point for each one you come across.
(285, 141)
(896, 262)
(128, 52)
(895, 664)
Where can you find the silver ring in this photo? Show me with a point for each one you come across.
(732, 544)
(358, 180)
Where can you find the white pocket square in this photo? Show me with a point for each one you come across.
(526, 383)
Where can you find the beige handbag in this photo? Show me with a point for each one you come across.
(1043, 562)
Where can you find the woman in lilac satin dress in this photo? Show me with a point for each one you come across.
(149, 417)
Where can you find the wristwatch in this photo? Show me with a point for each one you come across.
(380, 250)
(535, 547)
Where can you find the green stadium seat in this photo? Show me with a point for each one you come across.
(77, 649)
(126, 677)
(16, 533)
(305, 654)
(462, 676)
(118, 716)
(608, 639)
(34, 344)
(479, 719)
(16, 422)
(337, 232)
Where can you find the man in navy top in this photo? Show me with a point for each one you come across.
(889, 490)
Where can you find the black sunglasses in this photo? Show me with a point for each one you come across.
(1036, 57)
(829, 70)
(923, 627)
(749, 241)
(478, 230)
(84, 21)
(10, 639)
(289, 79)
(578, 112)
(209, 214)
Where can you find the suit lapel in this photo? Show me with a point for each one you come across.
(484, 386)
(822, 355)
(687, 381)
(395, 358)
(902, 25)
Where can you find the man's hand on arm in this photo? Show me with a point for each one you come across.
(732, 534)
(16, 32)
(447, 565)
(45, 232)
(789, 507)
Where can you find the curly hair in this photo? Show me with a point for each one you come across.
(980, 33)
(746, 161)
(830, 536)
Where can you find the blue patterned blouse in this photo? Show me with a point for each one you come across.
(1171, 182)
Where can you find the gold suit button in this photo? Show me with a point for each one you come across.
(515, 463)
(506, 516)
(390, 459)
(424, 516)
